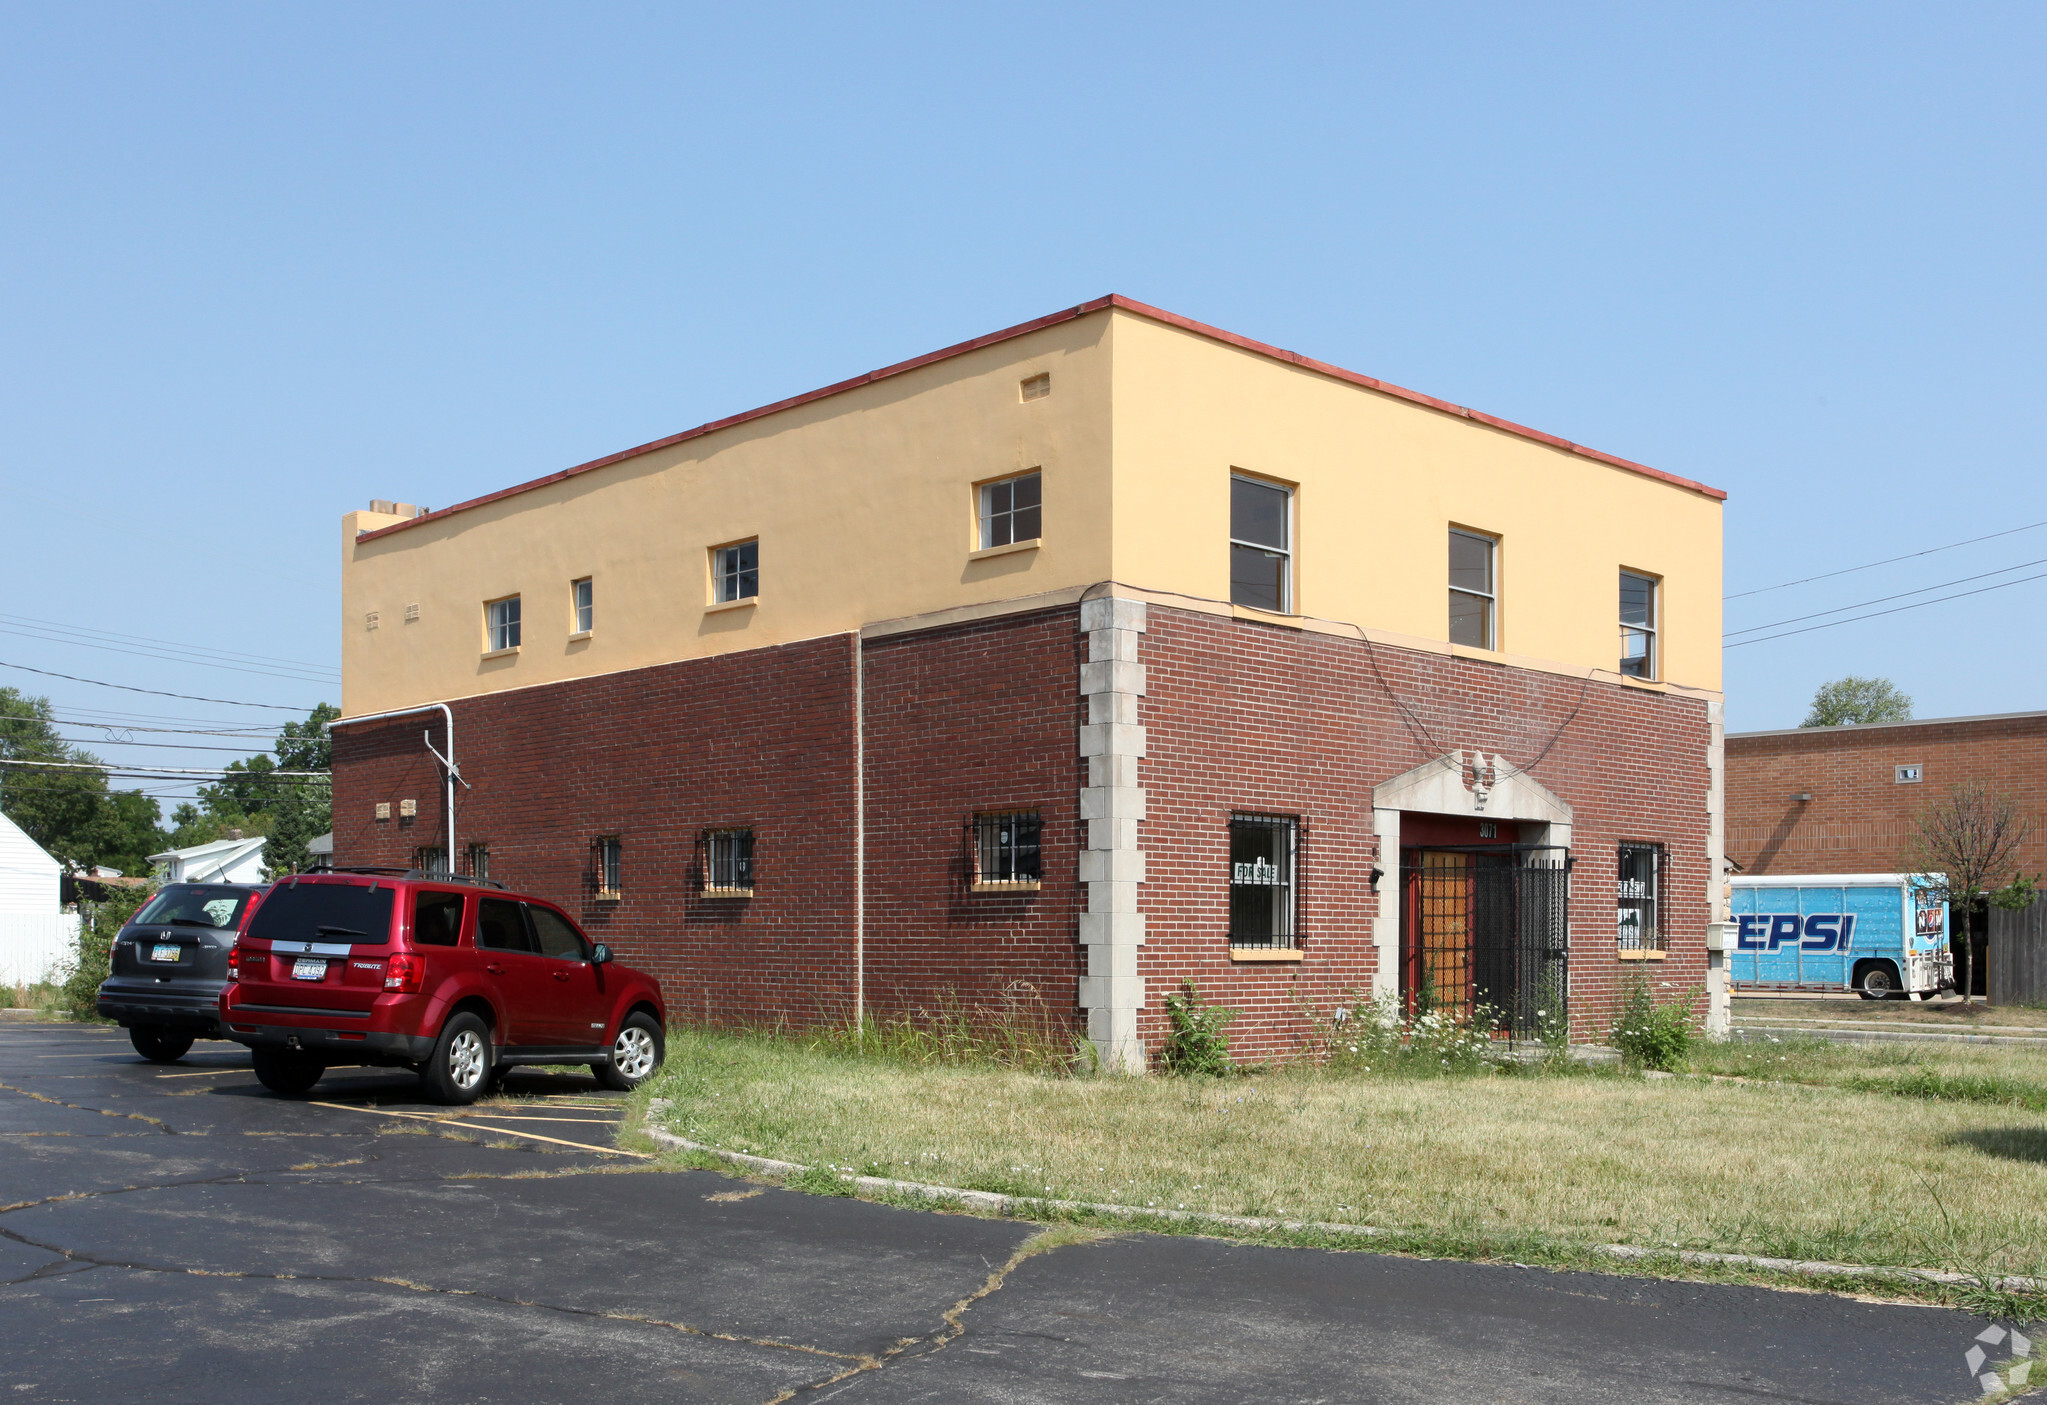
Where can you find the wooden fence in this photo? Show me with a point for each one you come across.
(2016, 972)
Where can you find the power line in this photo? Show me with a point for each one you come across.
(1888, 561)
(153, 692)
(166, 772)
(1885, 599)
(166, 746)
(1894, 610)
(296, 676)
(248, 733)
(166, 644)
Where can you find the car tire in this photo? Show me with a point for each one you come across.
(636, 1054)
(158, 1044)
(1877, 982)
(288, 1071)
(459, 1069)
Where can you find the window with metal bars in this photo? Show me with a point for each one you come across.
(431, 861)
(728, 866)
(609, 855)
(1638, 892)
(1264, 873)
(1007, 851)
(479, 860)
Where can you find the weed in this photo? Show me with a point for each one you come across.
(1652, 1033)
(1197, 1044)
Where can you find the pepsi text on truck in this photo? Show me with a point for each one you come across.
(1879, 934)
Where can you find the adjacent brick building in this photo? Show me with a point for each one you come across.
(1060, 667)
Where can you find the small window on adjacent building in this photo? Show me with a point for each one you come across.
(1262, 863)
(1474, 599)
(1261, 545)
(728, 867)
(1006, 850)
(479, 860)
(1637, 891)
(431, 861)
(609, 888)
(1037, 387)
(736, 572)
(501, 623)
(1638, 625)
(1010, 510)
(583, 597)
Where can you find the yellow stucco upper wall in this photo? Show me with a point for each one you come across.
(863, 503)
(1379, 481)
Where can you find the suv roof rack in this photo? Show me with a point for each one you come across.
(422, 875)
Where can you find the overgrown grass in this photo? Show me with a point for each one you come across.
(1964, 1073)
(1496, 1164)
(43, 997)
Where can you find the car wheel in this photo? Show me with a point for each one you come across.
(636, 1054)
(1877, 983)
(287, 1071)
(462, 1062)
(157, 1044)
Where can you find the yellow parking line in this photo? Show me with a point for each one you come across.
(479, 1127)
(210, 1073)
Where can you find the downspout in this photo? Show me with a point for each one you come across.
(859, 838)
(450, 773)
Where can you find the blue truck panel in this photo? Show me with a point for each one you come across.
(1828, 932)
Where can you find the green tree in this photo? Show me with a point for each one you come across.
(1858, 701)
(1964, 844)
(72, 814)
(251, 798)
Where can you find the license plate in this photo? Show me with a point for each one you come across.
(164, 951)
(312, 969)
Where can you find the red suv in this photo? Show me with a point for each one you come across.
(457, 978)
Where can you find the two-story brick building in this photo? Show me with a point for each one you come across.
(1087, 656)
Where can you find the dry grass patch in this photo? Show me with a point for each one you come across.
(1788, 1171)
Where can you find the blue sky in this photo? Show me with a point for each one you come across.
(261, 263)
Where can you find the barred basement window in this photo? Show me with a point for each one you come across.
(1637, 891)
(609, 862)
(1263, 853)
(479, 860)
(432, 861)
(729, 870)
(1007, 852)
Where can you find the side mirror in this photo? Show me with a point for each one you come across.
(600, 955)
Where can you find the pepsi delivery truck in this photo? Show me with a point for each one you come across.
(1876, 933)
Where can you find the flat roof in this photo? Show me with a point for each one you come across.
(1113, 300)
(1884, 726)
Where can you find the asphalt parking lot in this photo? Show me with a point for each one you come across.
(178, 1234)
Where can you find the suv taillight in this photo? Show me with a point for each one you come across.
(234, 964)
(404, 972)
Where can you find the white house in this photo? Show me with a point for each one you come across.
(222, 861)
(36, 935)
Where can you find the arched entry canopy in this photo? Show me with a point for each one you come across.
(1468, 788)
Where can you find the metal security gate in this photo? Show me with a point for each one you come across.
(1486, 927)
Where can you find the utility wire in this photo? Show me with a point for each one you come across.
(1888, 561)
(166, 772)
(153, 692)
(1886, 599)
(1896, 609)
(188, 660)
(52, 627)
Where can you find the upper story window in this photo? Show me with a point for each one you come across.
(1474, 598)
(1036, 387)
(1010, 510)
(728, 868)
(1007, 850)
(1637, 889)
(1262, 855)
(1261, 545)
(501, 624)
(583, 602)
(736, 571)
(1638, 625)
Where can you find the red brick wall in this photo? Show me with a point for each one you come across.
(1245, 716)
(976, 717)
(1860, 820)
(654, 756)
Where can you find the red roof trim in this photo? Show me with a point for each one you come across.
(1025, 328)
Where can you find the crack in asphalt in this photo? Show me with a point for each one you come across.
(156, 1122)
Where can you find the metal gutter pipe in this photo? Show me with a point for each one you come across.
(451, 774)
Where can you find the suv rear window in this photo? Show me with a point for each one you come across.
(325, 912)
(196, 905)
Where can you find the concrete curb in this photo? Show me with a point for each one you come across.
(1020, 1207)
